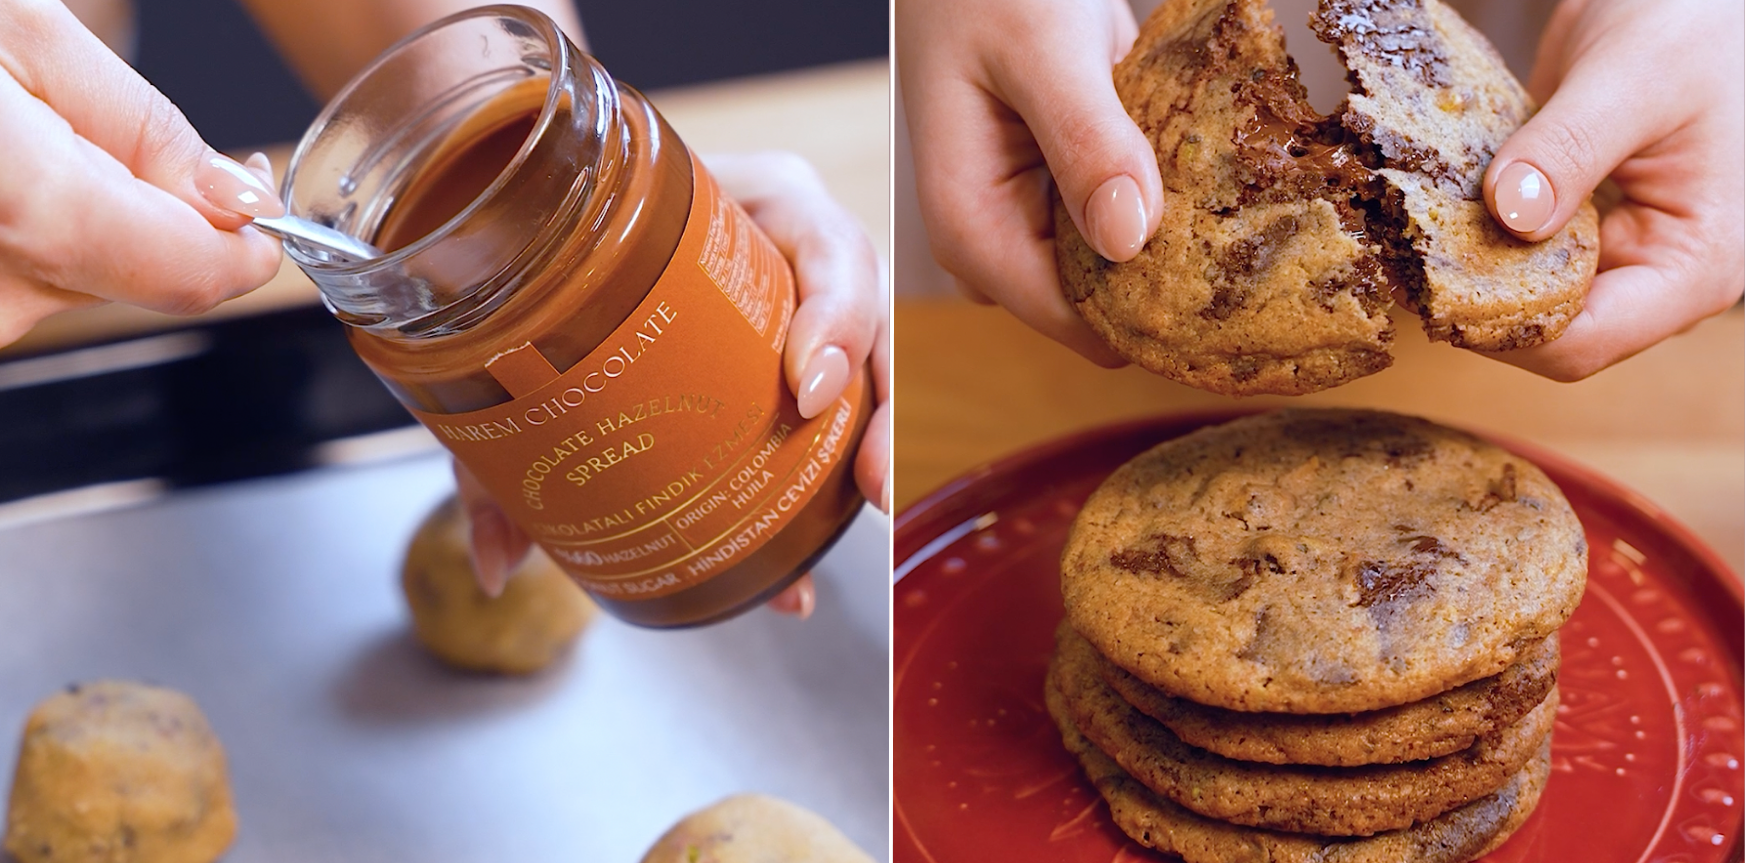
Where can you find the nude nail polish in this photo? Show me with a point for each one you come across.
(1525, 199)
(822, 380)
(798, 600)
(1115, 219)
(262, 167)
(234, 188)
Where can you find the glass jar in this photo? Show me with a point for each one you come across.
(572, 307)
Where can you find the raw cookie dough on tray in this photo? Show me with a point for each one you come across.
(754, 828)
(119, 772)
(1287, 235)
(536, 620)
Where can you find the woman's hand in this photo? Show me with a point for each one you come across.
(999, 96)
(106, 192)
(840, 324)
(1651, 95)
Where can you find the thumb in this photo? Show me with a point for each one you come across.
(1102, 164)
(1544, 173)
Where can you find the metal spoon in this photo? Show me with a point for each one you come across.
(344, 245)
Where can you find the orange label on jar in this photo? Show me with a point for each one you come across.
(674, 450)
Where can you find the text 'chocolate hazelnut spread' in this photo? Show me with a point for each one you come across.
(574, 309)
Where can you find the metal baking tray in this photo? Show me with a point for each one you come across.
(275, 603)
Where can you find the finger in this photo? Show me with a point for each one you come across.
(1103, 165)
(1043, 307)
(1126, 29)
(1629, 309)
(797, 599)
(836, 272)
(262, 167)
(498, 546)
(986, 198)
(61, 63)
(1597, 118)
(1556, 43)
(872, 465)
(77, 220)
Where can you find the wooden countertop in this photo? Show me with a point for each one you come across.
(973, 384)
(838, 117)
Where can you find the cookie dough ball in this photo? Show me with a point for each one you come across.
(538, 617)
(119, 772)
(752, 828)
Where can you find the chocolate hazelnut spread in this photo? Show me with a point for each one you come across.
(1289, 150)
(575, 311)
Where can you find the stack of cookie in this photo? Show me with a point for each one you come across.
(1317, 635)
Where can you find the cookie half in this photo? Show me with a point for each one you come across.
(1460, 835)
(1321, 561)
(1355, 801)
(1434, 99)
(1260, 278)
(1442, 724)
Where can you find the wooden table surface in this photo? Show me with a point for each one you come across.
(838, 117)
(973, 384)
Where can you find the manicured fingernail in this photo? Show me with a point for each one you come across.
(1525, 200)
(262, 167)
(885, 495)
(490, 535)
(1115, 218)
(234, 188)
(822, 380)
(796, 599)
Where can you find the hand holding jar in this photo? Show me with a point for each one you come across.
(665, 392)
(840, 325)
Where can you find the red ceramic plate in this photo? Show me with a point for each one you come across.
(1646, 758)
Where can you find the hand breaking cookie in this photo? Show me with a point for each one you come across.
(1481, 223)
(1651, 96)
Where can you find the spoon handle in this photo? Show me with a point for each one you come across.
(289, 227)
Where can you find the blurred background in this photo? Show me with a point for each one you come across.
(238, 94)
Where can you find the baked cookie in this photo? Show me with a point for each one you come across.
(1260, 278)
(1456, 836)
(537, 618)
(1439, 725)
(1321, 561)
(1432, 96)
(1285, 234)
(752, 828)
(1354, 801)
(119, 771)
